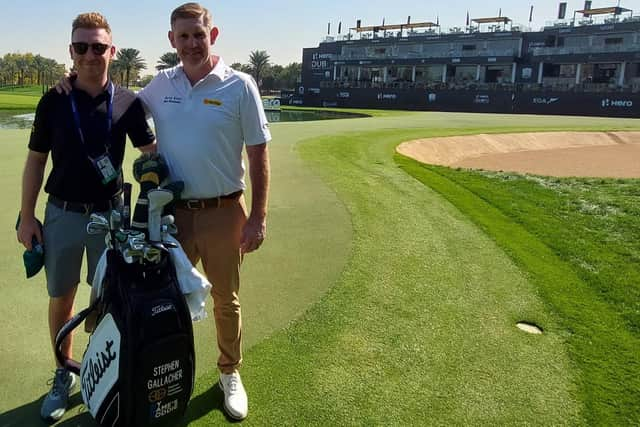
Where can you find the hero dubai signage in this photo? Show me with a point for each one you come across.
(387, 96)
(616, 103)
(320, 61)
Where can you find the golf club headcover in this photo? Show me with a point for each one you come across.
(149, 170)
(176, 187)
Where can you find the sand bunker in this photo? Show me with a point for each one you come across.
(589, 154)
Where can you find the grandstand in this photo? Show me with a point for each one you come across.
(587, 64)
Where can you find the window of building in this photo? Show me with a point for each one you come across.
(567, 70)
(468, 47)
(550, 41)
(613, 40)
(551, 70)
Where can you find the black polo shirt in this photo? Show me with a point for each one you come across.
(73, 177)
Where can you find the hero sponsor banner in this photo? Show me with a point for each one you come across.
(586, 104)
(100, 367)
(563, 103)
(616, 103)
(387, 96)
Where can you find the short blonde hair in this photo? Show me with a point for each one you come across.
(192, 10)
(90, 20)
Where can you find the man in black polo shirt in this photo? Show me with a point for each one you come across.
(85, 132)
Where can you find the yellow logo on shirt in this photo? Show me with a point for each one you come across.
(208, 101)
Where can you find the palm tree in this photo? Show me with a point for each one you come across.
(168, 60)
(130, 62)
(259, 61)
(117, 71)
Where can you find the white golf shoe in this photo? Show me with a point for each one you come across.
(235, 398)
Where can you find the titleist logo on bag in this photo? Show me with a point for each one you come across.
(101, 364)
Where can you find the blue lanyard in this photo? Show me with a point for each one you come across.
(76, 116)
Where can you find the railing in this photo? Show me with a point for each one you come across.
(633, 87)
(479, 53)
(568, 50)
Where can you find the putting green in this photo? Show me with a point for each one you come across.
(306, 224)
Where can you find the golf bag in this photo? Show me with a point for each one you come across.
(138, 368)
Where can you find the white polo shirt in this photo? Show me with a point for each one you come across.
(202, 129)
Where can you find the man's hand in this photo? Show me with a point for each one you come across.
(27, 229)
(253, 234)
(64, 85)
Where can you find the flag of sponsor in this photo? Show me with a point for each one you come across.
(562, 10)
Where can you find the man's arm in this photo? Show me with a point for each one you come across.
(32, 178)
(149, 148)
(255, 229)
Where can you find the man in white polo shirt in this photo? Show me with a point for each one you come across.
(205, 113)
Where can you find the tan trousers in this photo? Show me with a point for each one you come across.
(213, 236)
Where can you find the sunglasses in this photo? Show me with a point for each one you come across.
(81, 47)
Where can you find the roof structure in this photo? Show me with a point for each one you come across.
(499, 19)
(604, 11)
(395, 27)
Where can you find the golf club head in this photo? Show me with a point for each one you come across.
(152, 254)
(115, 220)
(97, 228)
(97, 218)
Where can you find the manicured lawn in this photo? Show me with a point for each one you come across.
(10, 101)
(23, 98)
(377, 299)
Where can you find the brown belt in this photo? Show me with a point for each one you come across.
(86, 208)
(214, 202)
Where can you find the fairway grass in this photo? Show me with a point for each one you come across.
(415, 305)
(22, 98)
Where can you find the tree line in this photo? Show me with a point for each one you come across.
(126, 68)
(29, 69)
(268, 76)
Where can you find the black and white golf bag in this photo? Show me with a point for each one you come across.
(138, 368)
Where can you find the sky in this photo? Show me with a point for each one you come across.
(281, 27)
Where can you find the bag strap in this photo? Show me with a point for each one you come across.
(70, 364)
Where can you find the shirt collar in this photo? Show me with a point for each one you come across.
(220, 71)
(105, 93)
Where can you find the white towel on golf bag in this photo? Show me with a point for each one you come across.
(194, 286)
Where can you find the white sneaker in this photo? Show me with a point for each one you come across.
(235, 398)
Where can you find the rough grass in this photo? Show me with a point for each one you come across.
(575, 238)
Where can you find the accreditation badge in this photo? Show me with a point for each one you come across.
(105, 168)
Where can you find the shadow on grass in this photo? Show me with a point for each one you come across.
(29, 414)
(206, 402)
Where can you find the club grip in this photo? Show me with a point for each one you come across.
(126, 207)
